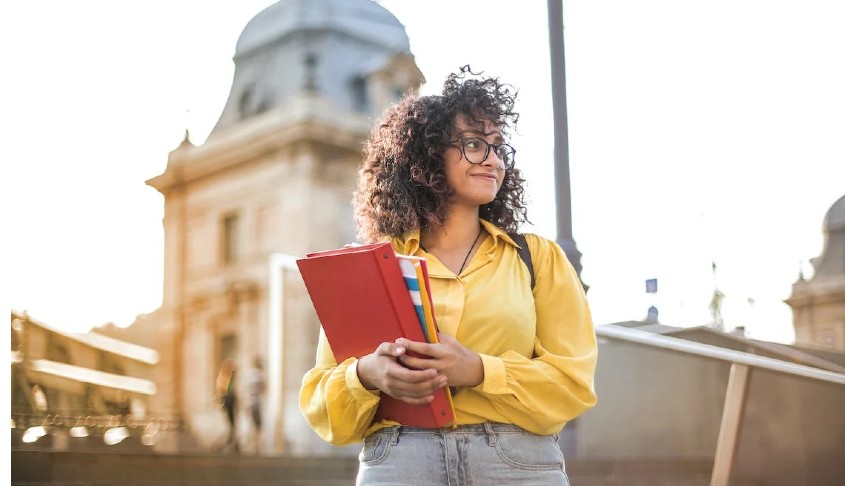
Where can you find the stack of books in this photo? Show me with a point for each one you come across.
(367, 295)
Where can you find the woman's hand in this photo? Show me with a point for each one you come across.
(381, 370)
(460, 365)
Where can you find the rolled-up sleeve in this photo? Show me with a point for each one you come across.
(333, 401)
(543, 392)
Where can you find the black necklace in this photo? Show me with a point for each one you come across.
(480, 230)
(470, 251)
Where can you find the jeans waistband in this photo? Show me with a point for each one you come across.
(486, 428)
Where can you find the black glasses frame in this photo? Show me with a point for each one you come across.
(508, 164)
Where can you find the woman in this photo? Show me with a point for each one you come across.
(228, 398)
(256, 384)
(438, 181)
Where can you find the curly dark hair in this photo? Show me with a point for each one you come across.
(402, 183)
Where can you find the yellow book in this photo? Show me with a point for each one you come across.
(425, 294)
(424, 299)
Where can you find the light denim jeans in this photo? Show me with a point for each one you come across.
(471, 455)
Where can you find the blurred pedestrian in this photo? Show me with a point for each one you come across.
(256, 384)
(227, 395)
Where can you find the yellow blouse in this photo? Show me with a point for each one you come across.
(538, 351)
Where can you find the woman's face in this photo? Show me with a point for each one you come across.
(473, 184)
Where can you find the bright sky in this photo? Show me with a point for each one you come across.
(700, 131)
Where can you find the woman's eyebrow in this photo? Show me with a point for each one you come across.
(499, 137)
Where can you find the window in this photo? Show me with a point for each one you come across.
(246, 103)
(230, 238)
(57, 350)
(398, 93)
(111, 363)
(228, 347)
(359, 94)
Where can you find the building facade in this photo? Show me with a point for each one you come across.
(81, 392)
(818, 303)
(275, 176)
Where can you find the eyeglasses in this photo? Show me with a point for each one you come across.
(476, 150)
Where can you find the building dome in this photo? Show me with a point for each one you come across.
(832, 260)
(363, 19)
(327, 47)
(835, 217)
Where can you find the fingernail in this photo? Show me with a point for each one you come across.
(400, 349)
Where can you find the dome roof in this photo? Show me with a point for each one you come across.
(325, 48)
(360, 18)
(835, 217)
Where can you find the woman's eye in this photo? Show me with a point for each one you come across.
(472, 144)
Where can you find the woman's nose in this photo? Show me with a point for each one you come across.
(493, 160)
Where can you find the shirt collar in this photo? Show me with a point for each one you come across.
(497, 233)
(409, 243)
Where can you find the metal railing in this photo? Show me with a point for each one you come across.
(715, 352)
(736, 393)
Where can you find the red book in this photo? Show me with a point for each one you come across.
(362, 301)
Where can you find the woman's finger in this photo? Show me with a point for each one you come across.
(425, 349)
(419, 385)
(420, 363)
(417, 401)
(407, 375)
(390, 349)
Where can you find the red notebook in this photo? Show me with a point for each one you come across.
(362, 301)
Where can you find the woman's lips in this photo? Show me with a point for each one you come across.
(489, 177)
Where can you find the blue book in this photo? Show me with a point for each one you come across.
(413, 284)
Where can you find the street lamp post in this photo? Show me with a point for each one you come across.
(563, 194)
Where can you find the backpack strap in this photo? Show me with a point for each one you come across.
(524, 254)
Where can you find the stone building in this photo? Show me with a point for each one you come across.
(818, 304)
(81, 392)
(275, 176)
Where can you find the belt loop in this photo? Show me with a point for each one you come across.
(394, 437)
(491, 434)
